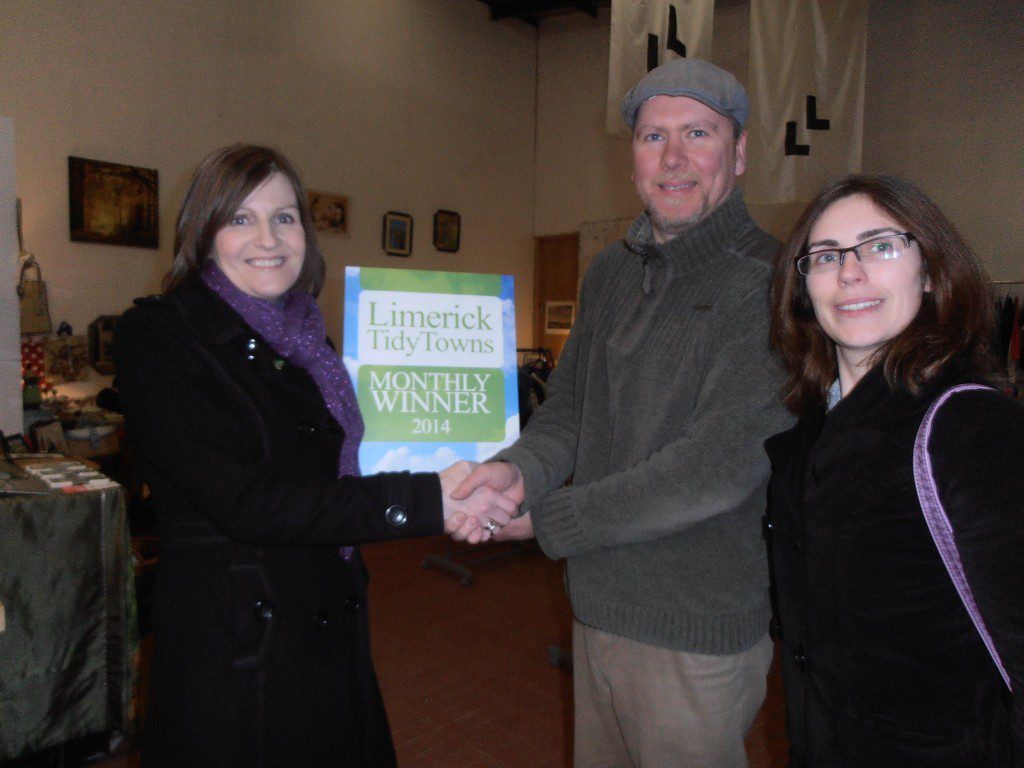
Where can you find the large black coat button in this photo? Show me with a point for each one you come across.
(307, 430)
(321, 621)
(263, 610)
(352, 604)
(396, 515)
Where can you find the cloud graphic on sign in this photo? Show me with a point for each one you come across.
(353, 367)
(401, 459)
(484, 451)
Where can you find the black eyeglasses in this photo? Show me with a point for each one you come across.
(884, 248)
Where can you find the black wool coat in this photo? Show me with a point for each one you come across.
(261, 654)
(881, 663)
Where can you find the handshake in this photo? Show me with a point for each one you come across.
(481, 501)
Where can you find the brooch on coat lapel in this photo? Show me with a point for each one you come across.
(250, 349)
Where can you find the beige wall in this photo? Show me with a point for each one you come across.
(410, 105)
(416, 105)
(943, 107)
(582, 171)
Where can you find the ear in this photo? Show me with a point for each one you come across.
(741, 153)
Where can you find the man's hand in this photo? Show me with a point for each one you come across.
(486, 496)
(473, 513)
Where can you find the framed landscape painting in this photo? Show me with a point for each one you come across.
(113, 204)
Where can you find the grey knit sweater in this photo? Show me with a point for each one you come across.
(658, 407)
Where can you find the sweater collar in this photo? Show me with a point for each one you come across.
(696, 250)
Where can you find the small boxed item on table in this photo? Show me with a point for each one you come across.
(68, 476)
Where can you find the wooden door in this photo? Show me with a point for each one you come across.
(555, 266)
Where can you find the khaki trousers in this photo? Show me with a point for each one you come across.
(639, 706)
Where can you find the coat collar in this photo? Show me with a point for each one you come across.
(871, 400)
(872, 403)
(212, 322)
(207, 316)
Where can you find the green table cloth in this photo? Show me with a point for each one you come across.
(65, 587)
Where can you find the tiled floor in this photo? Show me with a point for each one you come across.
(465, 671)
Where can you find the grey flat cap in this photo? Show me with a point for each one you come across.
(696, 79)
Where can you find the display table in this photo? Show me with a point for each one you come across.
(64, 586)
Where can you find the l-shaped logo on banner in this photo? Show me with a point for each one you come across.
(432, 356)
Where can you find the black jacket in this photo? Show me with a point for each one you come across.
(881, 664)
(261, 653)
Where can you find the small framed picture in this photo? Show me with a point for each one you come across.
(397, 237)
(558, 316)
(329, 212)
(447, 229)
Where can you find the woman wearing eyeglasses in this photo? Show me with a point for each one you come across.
(879, 309)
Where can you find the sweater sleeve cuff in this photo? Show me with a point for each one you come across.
(557, 525)
(533, 473)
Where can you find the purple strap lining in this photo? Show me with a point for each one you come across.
(942, 530)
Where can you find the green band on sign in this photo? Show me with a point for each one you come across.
(420, 281)
(451, 405)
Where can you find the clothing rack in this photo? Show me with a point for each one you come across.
(1009, 293)
(534, 366)
(1007, 288)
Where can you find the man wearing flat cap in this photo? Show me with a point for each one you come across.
(658, 407)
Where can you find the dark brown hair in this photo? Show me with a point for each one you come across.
(219, 187)
(955, 321)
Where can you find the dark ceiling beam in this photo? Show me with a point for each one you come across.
(521, 8)
(532, 11)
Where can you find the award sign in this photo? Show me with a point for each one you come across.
(433, 360)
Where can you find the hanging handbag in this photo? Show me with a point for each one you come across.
(32, 299)
(942, 530)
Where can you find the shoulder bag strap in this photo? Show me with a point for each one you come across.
(940, 527)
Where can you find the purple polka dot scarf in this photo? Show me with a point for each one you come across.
(294, 328)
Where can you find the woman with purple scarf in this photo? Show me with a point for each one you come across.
(245, 427)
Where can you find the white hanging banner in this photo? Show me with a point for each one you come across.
(646, 33)
(807, 96)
